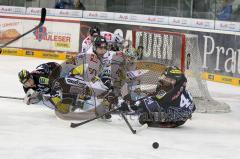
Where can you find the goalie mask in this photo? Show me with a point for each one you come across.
(169, 79)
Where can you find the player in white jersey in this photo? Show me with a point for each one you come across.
(119, 69)
(114, 40)
(87, 42)
(111, 74)
(82, 84)
(133, 78)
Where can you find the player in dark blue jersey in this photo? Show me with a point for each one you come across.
(37, 82)
(171, 105)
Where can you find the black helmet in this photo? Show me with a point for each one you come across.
(99, 41)
(169, 79)
(23, 76)
(175, 73)
(93, 30)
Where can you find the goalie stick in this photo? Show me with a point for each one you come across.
(42, 20)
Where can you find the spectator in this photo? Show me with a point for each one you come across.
(203, 9)
(226, 11)
(64, 4)
(140, 52)
(60, 4)
(236, 14)
(78, 5)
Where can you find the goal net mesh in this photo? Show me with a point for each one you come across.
(159, 49)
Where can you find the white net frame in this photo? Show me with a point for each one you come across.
(163, 48)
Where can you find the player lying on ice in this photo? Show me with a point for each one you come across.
(171, 105)
(37, 83)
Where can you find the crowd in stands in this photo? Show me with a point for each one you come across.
(69, 4)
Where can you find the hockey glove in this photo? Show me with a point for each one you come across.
(32, 97)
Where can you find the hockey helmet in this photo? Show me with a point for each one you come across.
(171, 77)
(94, 30)
(174, 73)
(24, 76)
(99, 42)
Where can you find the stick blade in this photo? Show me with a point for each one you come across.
(73, 125)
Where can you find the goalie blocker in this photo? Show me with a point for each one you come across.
(171, 105)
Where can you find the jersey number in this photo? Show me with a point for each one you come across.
(185, 102)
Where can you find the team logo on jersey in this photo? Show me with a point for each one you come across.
(74, 81)
(43, 80)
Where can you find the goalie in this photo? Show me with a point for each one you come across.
(170, 106)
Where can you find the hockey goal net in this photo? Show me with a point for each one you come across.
(160, 49)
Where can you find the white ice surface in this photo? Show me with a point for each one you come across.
(33, 132)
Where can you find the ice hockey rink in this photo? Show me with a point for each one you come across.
(34, 132)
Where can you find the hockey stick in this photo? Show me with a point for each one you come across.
(18, 98)
(74, 125)
(128, 124)
(42, 20)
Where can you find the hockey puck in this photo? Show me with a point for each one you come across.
(155, 145)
